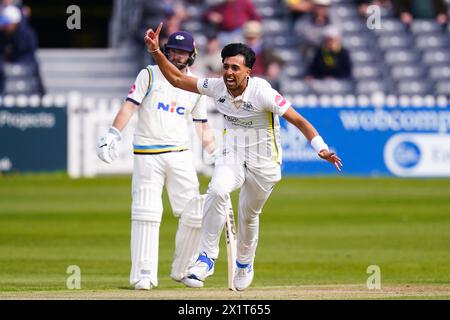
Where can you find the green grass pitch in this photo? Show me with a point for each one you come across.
(312, 231)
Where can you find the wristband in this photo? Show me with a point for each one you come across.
(318, 144)
(215, 152)
(153, 51)
(115, 132)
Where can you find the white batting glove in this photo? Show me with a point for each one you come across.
(106, 147)
(210, 158)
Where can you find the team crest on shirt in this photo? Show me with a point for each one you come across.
(280, 101)
(248, 106)
(205, 83)
(132, 89)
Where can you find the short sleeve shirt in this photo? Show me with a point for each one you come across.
(163, 110)
(251, 120)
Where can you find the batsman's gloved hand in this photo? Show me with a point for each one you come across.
(210, 158)
(106, 147)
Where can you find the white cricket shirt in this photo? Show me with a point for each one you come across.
(252, 127)
(163, 113)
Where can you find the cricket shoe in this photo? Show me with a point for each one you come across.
(203, 268)
(243, 276)
(192, 283)
(143, 284)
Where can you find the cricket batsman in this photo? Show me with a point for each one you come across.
(161, 157)
(251, 155)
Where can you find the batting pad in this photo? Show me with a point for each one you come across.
(187, 239)
(144, 251)
(146, 205)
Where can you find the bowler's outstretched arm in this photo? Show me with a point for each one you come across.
(310, 133)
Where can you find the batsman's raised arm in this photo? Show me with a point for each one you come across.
(170, 72)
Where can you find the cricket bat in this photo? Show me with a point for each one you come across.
(230, 234)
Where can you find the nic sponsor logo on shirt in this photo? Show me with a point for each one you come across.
(171, 108)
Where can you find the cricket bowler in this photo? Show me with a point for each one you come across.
(251, 155)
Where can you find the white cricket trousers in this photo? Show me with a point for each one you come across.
(151, 172)
(176, 171)
(256, 186)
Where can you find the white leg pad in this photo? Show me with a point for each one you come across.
(144, 251)
(146, 205)
(188, 237)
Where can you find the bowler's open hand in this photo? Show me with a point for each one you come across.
(152, 38)
(331, 157)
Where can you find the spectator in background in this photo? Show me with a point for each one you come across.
(310, 27)
(175, 15)
(409, 10)
(229, 17)
(331, 60)
(151, 13)
(18, 42)
(267, 64)
(171, 25)
(210, 65)
(297, 8)
(26, 10)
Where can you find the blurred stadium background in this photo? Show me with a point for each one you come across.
(389, 118)
(395, 93)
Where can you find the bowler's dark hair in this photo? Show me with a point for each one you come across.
(234, 49)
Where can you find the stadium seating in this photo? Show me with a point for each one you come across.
(437, 41)
(332, 86)
(21, 79)
(412, 87)
(395, 58)
(21, 86)
(93, 72)
(435, 56)
(439, 72)
(370, 86)
(276, 27)
(366, 72)
(395, 41)
(19, 70)
(443, 88)
(425, 26)
(407, 72)
(290, 87)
